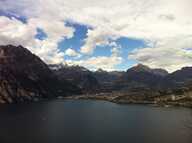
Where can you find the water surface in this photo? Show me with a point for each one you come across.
(80, 121)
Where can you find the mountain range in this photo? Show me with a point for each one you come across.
(25, 77)
(79, 76)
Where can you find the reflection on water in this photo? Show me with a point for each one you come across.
(188, 123)
(93, 122)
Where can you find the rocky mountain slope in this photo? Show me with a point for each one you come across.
(79, 76)
(180, 78)
(140, 76)
(107, 79)
(135, 78)
(24, 76)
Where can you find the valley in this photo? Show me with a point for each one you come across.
(25, 77)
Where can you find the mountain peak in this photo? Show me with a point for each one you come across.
(144, 68)
(100, 70)
(139, 67)
(8, 50)
(24, 76)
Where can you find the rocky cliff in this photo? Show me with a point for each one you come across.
(24, 76)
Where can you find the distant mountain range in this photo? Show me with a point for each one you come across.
(79, 76)
(25, 77)
(139, 76)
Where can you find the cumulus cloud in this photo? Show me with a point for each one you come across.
(163, 55)
(97, 37)
(163, 24)
(15, 32)
(108, 63)
(72, 53)
(48, 49)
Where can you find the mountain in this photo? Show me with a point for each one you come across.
(24, 76)
(180, 78)
(143, 68)
(141, 76)
(77, 75)
(106, 79)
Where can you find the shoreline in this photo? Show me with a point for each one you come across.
(142, 102)
(116, 100)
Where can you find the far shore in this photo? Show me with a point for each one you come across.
(118, 100)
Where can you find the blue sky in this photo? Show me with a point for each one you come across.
(127, 46)
(107, 34)
(77, 41)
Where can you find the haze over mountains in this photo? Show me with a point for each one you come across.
(25, 77)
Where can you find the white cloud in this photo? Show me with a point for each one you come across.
(116, 49)
(72, 53)
(165, 22)
(56, 32)
(163, 55)
(15, 32)
(108, 63)
(93, 63)
(97, 37)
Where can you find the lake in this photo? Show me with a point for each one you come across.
(85, 121)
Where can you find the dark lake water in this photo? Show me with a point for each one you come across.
(82, 121)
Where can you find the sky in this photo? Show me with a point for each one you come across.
(107, 34)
